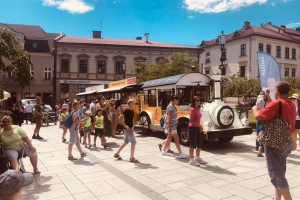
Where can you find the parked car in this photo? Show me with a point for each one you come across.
(252, 102)
(24, 101)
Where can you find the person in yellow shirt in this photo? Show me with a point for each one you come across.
(99, 128)
(62, 117)
(87, 122)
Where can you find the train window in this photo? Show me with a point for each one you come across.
(146, 97)
(151, 98)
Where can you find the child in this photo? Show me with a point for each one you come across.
(62, 117)
(99, 128)
(87, 128)
(74, 137)
(128, 116)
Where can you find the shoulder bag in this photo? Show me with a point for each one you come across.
(275, 132)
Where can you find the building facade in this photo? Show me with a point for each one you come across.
(39, 44)
(242, 46)
(82, 62)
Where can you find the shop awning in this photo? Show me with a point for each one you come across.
(6, 95)
(86, 93)
(111, 89)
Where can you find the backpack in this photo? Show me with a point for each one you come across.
(69, 120)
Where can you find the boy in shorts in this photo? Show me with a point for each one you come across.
(74, 136)
(99, 128)
(127, 120)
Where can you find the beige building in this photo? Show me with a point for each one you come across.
(82, 62)
(39, 44)
(243, 44)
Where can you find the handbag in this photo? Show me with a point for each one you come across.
(275, 132)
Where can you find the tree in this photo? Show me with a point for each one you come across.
(13, 58)
(294, 84)
(179, 63)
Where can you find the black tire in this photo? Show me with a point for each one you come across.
(225, 140)
(183, 134)
(145, 121)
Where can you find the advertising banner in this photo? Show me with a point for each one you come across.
(269, 71)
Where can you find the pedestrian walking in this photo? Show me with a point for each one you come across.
(99, 129)
(105, 112)
(127, 120)
(244, 107)
(171, 128)
(195, 131)
(87, 129)
(276, 159)
(28, 112)
(38, 117)
(296, 100)
(62, 116)
(74, 136)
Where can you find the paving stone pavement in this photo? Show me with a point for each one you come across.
(233, 171)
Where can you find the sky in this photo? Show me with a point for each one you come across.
(185, 22)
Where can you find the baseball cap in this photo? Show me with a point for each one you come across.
(12, 180)
(64, 108)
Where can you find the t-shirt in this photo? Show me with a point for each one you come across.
(99, 122)
(288, 111)
(38, 108)
(261, 103)
(128, 117)
(14, 138)
(197, 115)
(88, 122)
(93, 108)
(75, 114)
(174, 120)
(62, 116)
(29, 108)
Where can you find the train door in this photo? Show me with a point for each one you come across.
(164, 98)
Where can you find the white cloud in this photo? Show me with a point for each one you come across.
(191, 16)
(217, 6)
(273, 4)
(293, 25)
(72, 6)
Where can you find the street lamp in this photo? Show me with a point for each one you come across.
(124, 69)
(222, 41)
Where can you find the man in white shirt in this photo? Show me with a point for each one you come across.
(93, 106)
(28, 110)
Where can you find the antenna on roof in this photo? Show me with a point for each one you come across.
(261, 24)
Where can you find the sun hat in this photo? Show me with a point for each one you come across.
(12, 180)
(295, 96)
(88, 112)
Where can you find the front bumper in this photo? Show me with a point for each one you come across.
(225, 133)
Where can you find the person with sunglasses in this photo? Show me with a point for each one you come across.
(171, 128)
(13, 138)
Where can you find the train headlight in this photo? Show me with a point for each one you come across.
(208, 124)
(245, 122)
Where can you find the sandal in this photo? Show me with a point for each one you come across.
(105, 146)
(133, 160)
(118, 157)
(170, 151)
(64, 140)
(160, 147)
(72, 158)
(94, 145)
(84, 154)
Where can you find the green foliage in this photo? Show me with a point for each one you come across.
(179, 63)
(17, 59)
(295, 85)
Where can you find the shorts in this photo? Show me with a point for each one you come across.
(13, 154)
(195, 137)
(38, 123)
(99, 132)
(86, 129)
(297, 126)
(74, 136)
(129, 137)
(173, 131)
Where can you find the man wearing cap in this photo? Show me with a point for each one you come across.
(12, 184)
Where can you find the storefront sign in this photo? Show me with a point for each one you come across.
(82, 82)
(122, 83)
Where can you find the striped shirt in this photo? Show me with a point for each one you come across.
(174, 120)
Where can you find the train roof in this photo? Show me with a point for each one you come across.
(167, 80)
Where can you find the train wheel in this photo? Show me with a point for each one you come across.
(184, 134)
(227, 139)
(145, 122)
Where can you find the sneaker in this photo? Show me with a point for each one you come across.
(164, 153)
(39, 137)
(194, 163)
(36, 171)
(183, 155)
(34, 137)
(201, 161)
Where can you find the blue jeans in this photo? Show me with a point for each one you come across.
(129, 137)
(276, 162)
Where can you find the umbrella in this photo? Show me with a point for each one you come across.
(6, 95)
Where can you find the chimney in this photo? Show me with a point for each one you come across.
(283, 26)
(298, 29)
(96, 34)
(146, 37)
(138, 38)
(246, 25)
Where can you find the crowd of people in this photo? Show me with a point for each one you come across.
(101, 118)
